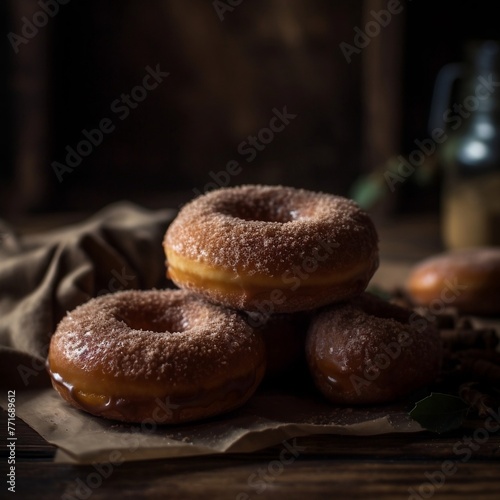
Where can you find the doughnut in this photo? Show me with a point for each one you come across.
(284, 336)
(368, 351)
(157, 355)
(271, 249)
(468, 280)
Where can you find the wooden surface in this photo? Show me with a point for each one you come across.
(391, 466)
(398, 466)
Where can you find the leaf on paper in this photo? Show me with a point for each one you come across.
(440, 412)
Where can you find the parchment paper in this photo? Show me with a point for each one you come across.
(271, 416)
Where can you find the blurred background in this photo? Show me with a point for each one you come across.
(355, 84)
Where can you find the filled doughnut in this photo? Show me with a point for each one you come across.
(271, 249)
(468, 280)
(368, 351)
(161, 355)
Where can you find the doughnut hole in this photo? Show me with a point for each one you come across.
(149, 324)
(148, 320)
(261, 211)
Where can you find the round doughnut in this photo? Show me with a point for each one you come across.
(161, 355)
(466, 279)
(368, 351)
(271, 249)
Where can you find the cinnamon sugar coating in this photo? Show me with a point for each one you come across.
(368, 351)
(136, 347)
(291, 237)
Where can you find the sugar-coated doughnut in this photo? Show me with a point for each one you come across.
(161, 355)
(368, 351)
(271, 249)
(466, 279)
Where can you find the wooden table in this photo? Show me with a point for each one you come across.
(395, 466)
(459, 464)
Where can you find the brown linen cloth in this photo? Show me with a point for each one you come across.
(44, 276)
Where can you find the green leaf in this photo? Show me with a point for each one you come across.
(440, 412)
(379, 292)
(367, 191)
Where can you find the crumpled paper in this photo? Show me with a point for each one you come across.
(271, 416)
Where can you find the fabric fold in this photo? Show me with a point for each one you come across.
(45, 275)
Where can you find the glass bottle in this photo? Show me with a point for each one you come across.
(470, 154)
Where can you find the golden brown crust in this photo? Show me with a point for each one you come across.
(467, 279)
(368, 351)
(238, 246)
(161, 355)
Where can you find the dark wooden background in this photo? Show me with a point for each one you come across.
(226, 77)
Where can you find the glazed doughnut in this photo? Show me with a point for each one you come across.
(368, 351)
(271, 248)
(466, 279)
(165, 356)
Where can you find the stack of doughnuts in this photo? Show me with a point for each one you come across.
(265, 274)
